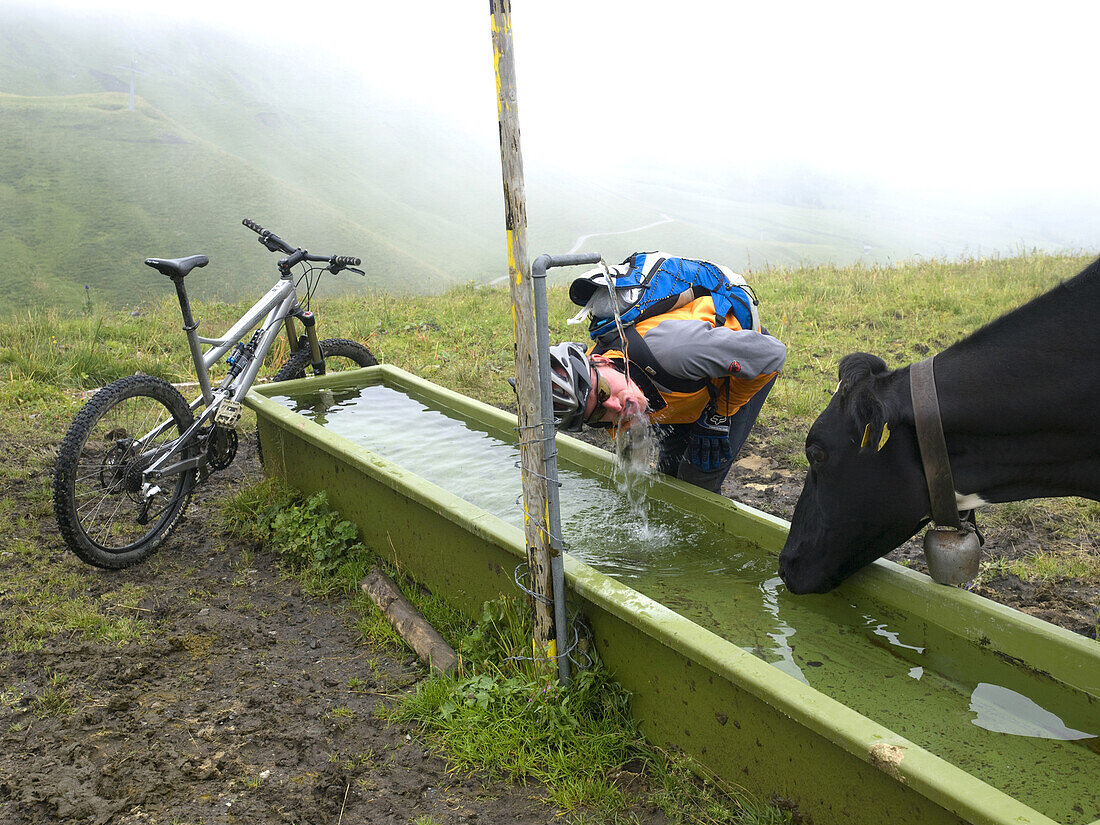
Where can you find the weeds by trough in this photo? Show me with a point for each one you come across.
(500, 712)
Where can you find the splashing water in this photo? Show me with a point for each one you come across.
(636, 452)
(637, 447)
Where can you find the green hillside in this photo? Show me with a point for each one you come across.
(284, 134)
(90, 189)
(222, 131)
(428, 188)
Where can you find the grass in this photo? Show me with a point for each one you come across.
(503, 714)
(1043, 567)
(494, 715)
(41, 601)
(463, 338)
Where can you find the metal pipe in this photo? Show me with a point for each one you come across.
(549, 449)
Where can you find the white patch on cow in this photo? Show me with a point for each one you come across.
(969, 501)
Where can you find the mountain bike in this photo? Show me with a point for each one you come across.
(135, 451)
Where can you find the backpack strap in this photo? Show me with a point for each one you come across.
(642, 357)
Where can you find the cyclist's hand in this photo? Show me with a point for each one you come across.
(709, 444)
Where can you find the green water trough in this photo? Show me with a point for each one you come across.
(1024, 748)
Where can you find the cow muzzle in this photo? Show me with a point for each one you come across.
(795, 578)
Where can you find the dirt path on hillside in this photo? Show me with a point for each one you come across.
(249, 702)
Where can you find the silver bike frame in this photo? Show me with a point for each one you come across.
(280, 302)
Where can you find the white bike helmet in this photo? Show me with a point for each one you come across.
(570, 384)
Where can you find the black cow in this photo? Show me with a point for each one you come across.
(1020, 404)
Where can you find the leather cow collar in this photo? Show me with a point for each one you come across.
(933, 446)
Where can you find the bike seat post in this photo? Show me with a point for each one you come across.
(190, 327)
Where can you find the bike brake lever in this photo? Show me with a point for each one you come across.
(334, 268)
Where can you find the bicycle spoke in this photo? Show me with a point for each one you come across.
(101, 505)
(105, 531)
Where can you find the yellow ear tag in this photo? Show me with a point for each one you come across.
(884, 437)
(866, 437)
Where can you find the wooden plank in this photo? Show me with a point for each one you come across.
(410, 623)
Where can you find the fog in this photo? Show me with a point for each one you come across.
(940, 96)
(941, 111)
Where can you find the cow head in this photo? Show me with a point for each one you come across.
(864, 492)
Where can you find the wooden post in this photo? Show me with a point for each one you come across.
(523, 319)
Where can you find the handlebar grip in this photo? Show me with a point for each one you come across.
(345, 260)
(255, 227)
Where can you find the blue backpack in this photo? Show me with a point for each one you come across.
(652, 283)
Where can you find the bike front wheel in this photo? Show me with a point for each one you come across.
(104, 510)
(338, 353)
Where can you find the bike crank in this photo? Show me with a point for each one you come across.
(221, 448)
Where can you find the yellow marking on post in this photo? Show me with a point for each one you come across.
(513, 270)
(498, 54)
(551, 649)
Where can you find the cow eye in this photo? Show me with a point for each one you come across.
(815, 454)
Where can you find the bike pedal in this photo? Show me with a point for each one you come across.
(228, 414)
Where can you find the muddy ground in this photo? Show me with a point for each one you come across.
(247, 702)
(250, 702)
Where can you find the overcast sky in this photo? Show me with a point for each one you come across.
(971, 98)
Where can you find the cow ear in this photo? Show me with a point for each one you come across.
(867, 409)
(859, 365)
(856, 373)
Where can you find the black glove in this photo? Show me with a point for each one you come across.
(709, 445)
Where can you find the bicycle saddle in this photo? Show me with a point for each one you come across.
(177, 267)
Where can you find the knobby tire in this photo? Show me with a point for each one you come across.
(97, 479)
(332, 350)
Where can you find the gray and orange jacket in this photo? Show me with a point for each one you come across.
(682, 359)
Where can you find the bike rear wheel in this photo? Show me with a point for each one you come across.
(338, 353)
(98, 500)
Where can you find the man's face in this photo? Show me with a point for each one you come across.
(620, 399)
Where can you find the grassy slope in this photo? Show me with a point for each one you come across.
(330, 167)
(303, 147)
(87, 197)
(462, 339)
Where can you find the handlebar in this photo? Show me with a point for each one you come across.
(268, 238)
(276, 244)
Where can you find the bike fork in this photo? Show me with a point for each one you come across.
(309, 320)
